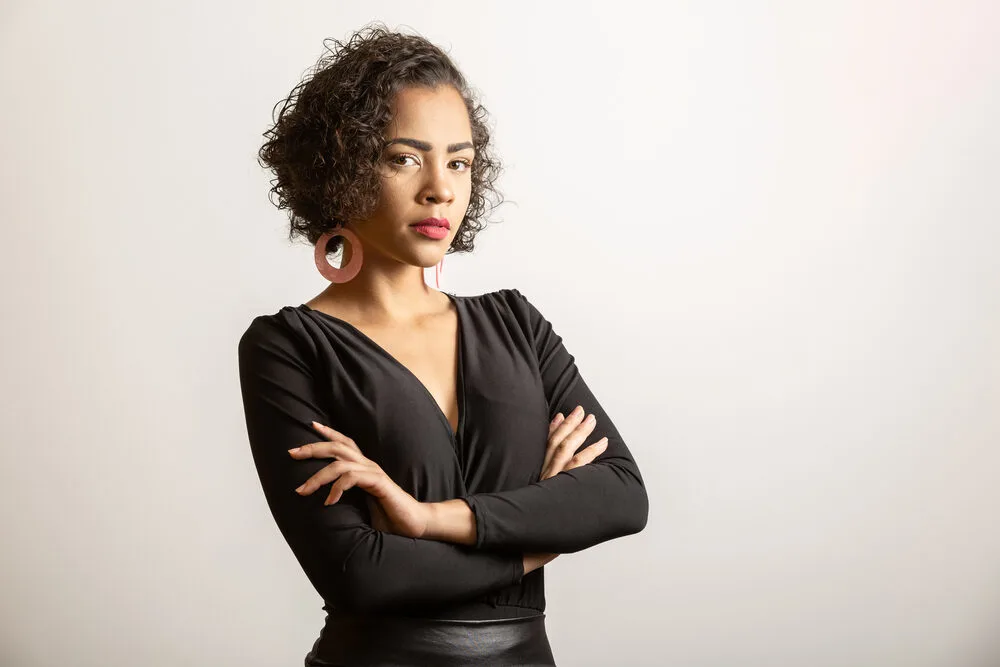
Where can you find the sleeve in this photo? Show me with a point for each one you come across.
(577, 508)
(350, 563)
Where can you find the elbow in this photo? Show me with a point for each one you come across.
(352, 596)
(361, 591)
(363, 588)
(634, 504)
(639, 515)
(630, 515)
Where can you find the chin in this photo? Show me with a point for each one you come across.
(422, 259)
(432, 263)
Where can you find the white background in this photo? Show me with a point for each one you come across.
(768, 232)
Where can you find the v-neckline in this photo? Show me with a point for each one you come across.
(460, 374)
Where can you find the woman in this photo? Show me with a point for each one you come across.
(436, 420)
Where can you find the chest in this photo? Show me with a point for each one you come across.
(455, 408)
(430, 354)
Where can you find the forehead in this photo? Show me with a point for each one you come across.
(430, 114)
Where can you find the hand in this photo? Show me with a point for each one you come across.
(394, 510)
(534, 561)
(565, 436)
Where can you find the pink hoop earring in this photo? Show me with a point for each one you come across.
(330, 272)
(438, 270)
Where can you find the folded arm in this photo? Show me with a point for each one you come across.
(576, 508)
(350, 563)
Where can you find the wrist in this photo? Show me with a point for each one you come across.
(451, 521)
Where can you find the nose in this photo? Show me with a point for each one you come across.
(437, 189)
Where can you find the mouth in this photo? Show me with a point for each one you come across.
(433, 222)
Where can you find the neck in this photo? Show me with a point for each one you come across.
(386, 291)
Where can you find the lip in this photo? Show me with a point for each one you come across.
(431, 231)
(433, 222)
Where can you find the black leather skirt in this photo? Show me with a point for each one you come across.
(381, 641)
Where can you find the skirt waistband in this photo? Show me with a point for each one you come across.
(381, 641)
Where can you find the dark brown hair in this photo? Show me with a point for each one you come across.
(326, 142)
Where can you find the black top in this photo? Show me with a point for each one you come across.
(514, 375)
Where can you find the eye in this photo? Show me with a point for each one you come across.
(400, 161)
(395, 159)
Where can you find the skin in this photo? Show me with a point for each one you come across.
(389, 293)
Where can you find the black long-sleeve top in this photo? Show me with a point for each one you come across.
(514, 375)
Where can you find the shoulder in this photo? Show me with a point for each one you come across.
(510, 298)
(520, 304)
(286, 330)
(513, 307)
(266, 326)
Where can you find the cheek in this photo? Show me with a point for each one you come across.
(393, 194)
(464, 190)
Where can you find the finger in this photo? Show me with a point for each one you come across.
(363, 479)
(333, 434)
(565, 444)
(588, 455)
(564, 428)
(566, 449)
(325, 476)
(325, 449)
(555, 422)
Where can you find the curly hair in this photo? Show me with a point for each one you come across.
(326, 143)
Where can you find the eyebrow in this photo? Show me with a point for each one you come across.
(424, 146)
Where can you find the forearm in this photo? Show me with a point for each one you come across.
(608, 502)
(451, 521)
(572, 511)
(352, 565)
(387, 572)
(576, 508)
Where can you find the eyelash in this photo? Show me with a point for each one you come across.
(392, 161)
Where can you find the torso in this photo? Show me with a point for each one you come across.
(428, 349)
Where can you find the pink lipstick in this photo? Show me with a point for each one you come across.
(435, 228)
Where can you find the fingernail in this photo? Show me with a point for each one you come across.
(299, 490)
(293, 449)
(316, 424)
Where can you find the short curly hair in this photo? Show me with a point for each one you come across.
(327, 141)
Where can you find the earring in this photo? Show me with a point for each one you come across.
(344, 273)
(438, 269)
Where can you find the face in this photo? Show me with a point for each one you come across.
(426, 171)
